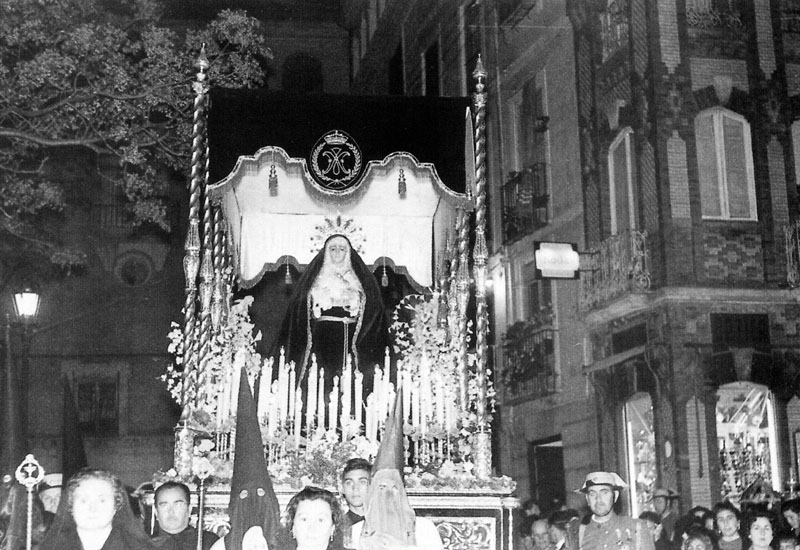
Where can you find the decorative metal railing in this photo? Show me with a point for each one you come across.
(792, 239)
(529, 363)
(112, 218)
(525, 201)
(618, 266)
(614, 28)
(790, 16)
(710, 14)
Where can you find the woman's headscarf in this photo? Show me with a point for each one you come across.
(63, 533)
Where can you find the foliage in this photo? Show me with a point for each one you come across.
(417, 333)
(98, 96)
(232, 348)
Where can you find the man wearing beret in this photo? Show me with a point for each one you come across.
(606, 530)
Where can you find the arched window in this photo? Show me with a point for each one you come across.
(725, 165)
(640, 444)
(620, 179)
(747, 438)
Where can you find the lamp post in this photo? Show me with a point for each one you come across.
(26, 307)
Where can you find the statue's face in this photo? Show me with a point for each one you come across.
(337, 249)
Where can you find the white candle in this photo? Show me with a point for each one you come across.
(321, 399)
(235, 377)
(415, 406)
(272, 422)
(311, 396)
(347, 382)
(333, 404)
(406, 395)
(439, 399)
(292, 391)
(283, 393)
(223, 399)
(372, 418)
(298, 417)
(377, 391)
(358, 397)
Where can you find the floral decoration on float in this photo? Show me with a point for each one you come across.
(439, 438)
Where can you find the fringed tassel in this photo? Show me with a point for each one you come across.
(273, 181)
(401, 184)
(287, 278)
(384, 278)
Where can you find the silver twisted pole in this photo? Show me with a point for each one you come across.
(483, 461)
(191, 261)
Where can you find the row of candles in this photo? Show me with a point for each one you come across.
(429, 400)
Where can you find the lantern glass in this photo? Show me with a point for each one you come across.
(26, 304)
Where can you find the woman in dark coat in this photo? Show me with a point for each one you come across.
(95, 514)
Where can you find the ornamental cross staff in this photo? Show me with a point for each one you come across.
(29, 474)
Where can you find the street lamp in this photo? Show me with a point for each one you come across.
(26, 305)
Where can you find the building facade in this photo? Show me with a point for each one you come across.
(660, 138)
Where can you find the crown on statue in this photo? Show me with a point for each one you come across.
(338, 226)
(335, 138)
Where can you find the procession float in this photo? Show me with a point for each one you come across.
(349, 196)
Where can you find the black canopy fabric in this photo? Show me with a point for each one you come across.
(432, 129)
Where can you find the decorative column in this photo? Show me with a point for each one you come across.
(483, 459)
(191, 264)
(462, 297)
(206, 290)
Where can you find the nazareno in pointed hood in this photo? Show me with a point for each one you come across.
(388, 512)
(252, 501)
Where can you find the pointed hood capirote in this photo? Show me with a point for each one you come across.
(391, 453)
(389, 515)
(253, 501)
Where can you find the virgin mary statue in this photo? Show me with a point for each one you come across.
(336, 310)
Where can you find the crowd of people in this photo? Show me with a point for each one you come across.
(95, 512)
(599, 526)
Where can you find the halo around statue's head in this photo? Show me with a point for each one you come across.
(338, 226)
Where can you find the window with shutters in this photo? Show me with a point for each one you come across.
(620, 178)
(101, 395)
(725, 165)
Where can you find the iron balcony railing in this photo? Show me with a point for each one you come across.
(792, 239)
(525, 202)
(529, 361)
(614, 28)
(620, 265)
(112, 218)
